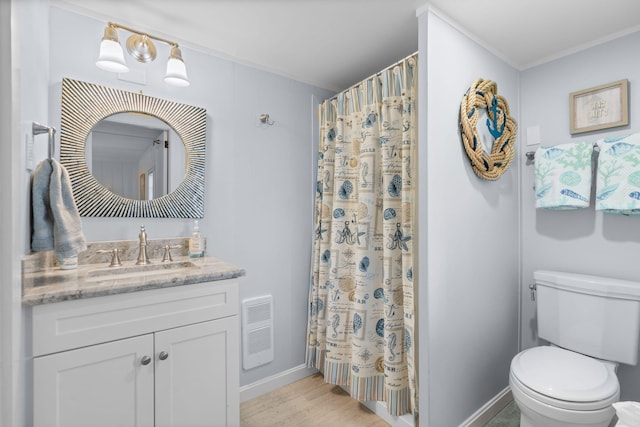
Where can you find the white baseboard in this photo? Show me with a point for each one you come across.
(489, 409)
(380, 409)
(274, 382)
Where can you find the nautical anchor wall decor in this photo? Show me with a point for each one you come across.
(483, 94)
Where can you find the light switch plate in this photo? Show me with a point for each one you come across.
(26, 135)
(533, 135)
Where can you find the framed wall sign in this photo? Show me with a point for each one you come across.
(600, 107)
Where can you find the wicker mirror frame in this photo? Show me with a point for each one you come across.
(84, 105)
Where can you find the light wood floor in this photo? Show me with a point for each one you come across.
(308, 402)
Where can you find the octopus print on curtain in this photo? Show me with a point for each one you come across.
(361, 305)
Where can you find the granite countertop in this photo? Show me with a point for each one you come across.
(44, 282)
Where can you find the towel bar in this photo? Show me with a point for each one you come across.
(37, 129)
(531, 155)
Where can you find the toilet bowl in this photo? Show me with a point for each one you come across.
(554, 387)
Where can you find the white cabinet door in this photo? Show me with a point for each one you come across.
(101, 385)
(197, 382)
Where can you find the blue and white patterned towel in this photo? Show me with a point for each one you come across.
(618, 180)
(563, 176)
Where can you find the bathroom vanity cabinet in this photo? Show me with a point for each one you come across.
(159, 357)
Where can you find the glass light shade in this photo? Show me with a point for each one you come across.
(111, 57)
(176, 71)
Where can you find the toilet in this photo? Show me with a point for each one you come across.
(592, 324)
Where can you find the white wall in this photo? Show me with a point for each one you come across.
(468, 267)
(577, 241)
(259, 179)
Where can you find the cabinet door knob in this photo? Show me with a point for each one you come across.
(163, 355)
(145, 360)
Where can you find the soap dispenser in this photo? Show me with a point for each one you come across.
(196, 243)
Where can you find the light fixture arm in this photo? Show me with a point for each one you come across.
(131, 30)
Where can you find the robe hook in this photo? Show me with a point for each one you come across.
(264, 118)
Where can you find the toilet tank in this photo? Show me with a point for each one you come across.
(592, 315)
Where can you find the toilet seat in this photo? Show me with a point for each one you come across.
(565, 379)
(518, 388)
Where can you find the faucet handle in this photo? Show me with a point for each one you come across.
(166, 257)
(143, 257)
(115, 257)
(142, 236)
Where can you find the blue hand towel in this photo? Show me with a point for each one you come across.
(56, 221)
(42, 235)
(618, 180)
(563, 176)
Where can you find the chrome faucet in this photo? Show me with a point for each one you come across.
(143, 258)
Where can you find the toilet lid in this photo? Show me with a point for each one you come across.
(564, 375)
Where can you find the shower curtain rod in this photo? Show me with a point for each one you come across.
(374, 74)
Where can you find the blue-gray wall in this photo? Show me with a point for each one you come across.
(478, 249)
(468, 241)
(7, 263)
(577, 241)
(259, 179)
(28, 58)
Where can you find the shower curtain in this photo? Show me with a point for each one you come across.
(361, 325)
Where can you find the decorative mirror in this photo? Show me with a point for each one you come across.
(87, 107)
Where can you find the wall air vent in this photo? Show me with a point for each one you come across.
(257, 331)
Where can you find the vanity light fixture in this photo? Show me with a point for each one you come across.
(141, 47)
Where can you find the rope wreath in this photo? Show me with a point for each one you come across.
(503, 128)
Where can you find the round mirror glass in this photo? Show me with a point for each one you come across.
(136, 155)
